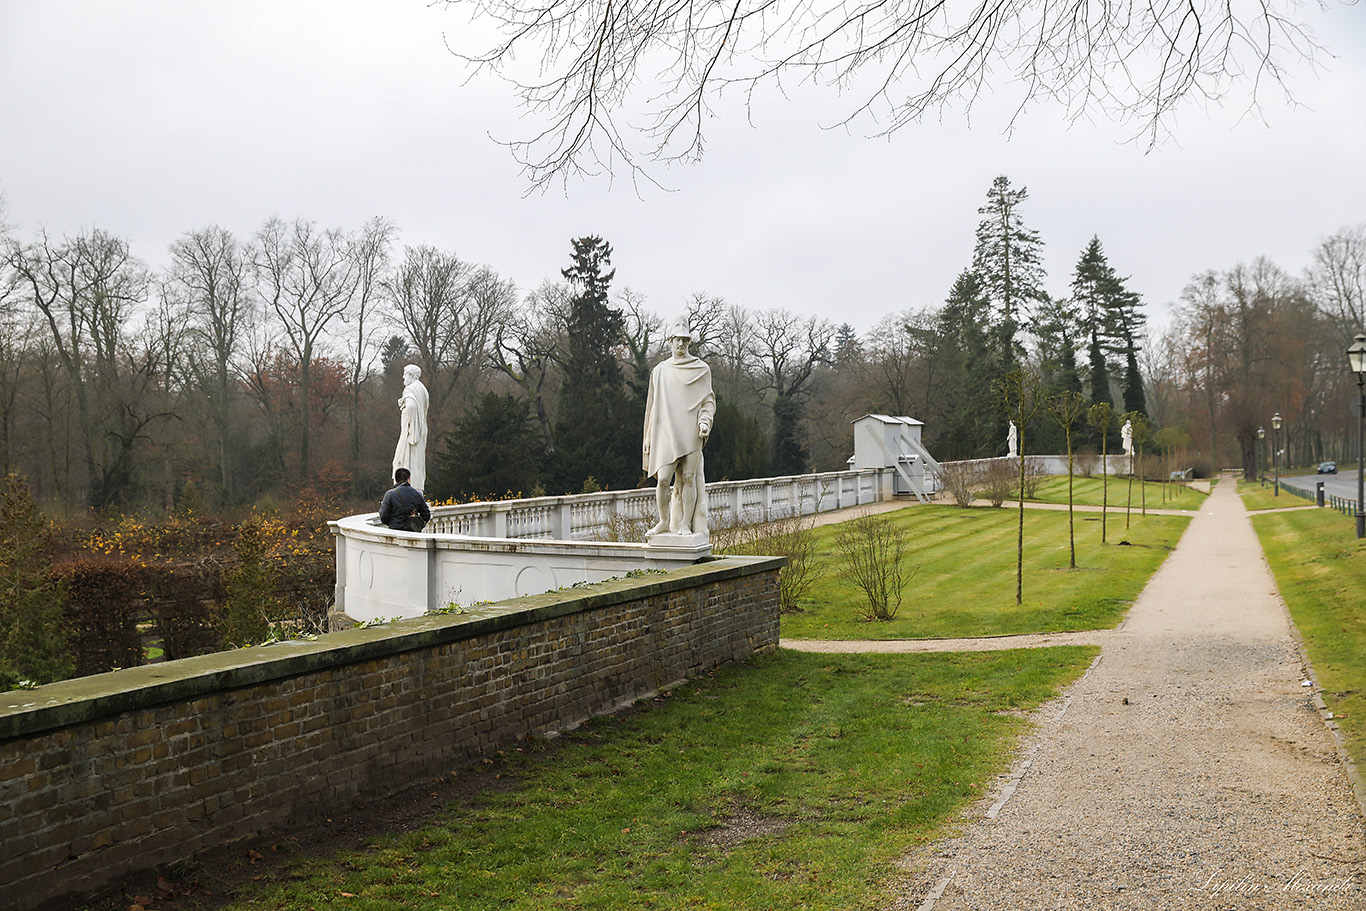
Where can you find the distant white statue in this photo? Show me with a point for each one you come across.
(1012, 441)
(679, 410)
(411, 452)
(1126, 437)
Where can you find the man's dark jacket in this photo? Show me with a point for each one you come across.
(400, 503)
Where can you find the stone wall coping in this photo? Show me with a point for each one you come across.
(85, 699)
(360, 527)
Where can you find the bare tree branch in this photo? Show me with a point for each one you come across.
(618, 82)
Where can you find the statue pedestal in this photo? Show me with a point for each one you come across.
(697, 542)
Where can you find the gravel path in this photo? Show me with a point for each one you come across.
(1189, 767)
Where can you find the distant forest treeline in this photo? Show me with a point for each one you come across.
(252, 368)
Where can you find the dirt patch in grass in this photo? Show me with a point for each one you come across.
(741, 827)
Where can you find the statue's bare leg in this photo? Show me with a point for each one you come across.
(662, 496)
(687, 483)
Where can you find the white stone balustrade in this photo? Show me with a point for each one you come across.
(490, 551)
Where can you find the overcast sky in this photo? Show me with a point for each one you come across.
(150, 119)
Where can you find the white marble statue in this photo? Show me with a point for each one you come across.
(411, 452)
(1012, 441)
(679, 410)
(1126, 437)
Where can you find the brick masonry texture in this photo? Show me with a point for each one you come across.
(107, 775)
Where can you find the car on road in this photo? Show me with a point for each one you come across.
(1328, 468)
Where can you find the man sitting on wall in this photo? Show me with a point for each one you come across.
(404, 508)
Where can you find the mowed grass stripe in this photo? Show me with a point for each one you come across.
(965, 583)
(1091, 492)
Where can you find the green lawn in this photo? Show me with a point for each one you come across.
(1088, 492)
(965, 583)
(1320, 569)
(1256, 497)
(795, 781)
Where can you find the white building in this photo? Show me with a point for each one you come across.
(884, 441)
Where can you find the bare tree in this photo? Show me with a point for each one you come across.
(1249, 346)
(662, 65)
(87, 292)
(208, 281)
(15, 326)
(1337, 280)
(1022, 395)
(735, 344)
(788, 348)
(529, 348)
(369, 250)
(307, 277)
(644, 331)
(1102, 416)
(896, 368)
(451, 312)
(704, 313)
(1067, 408)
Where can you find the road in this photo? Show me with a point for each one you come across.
(1343, 484)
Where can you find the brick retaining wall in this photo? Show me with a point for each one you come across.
(102, 776)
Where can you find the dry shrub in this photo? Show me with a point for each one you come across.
(1000, 480)
(1033, 474)
(624, 529)
(961, 480)
(1086, 463)
(104, 598)
(872, 548)
(787, 535)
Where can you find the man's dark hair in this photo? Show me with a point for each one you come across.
(401, 475)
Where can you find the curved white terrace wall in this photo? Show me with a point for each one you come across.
(384, 574)
(492, 551)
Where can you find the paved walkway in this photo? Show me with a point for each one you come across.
(1189, 767)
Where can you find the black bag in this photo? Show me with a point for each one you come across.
(415, 522)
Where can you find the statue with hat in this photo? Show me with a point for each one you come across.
(679, 410)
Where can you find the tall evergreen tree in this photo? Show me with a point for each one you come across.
(1128, 319)
(1112, 320)
(1056, 329)
(1093, 285)
(968, 422)
(597, 430)
(847, 345)
(1008, 260)
(1134, 398)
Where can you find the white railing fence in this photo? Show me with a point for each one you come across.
(591, 516)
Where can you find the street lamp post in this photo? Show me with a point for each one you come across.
(1356, 359)
(1261, 439)
(1275, 451)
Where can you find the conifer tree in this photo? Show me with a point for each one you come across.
(1008, 260)
(597, 421)
(32, 634)
(1056, 330)
(491, 451)
(1093, 283)
(1112, 319)
(968, 421)
(737, 449)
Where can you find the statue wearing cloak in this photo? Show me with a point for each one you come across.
(679, 409)
(411, 452)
